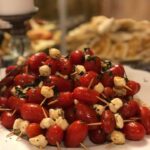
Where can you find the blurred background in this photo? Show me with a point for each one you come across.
(120, 32)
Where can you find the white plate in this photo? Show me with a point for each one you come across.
(141, 76)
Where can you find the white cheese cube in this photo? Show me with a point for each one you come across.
(115, 104)
(46, 123)
(120, 91)
(56, 113)
(117, 137)
(55, 53)
(99, 87)
(119, 81)
(47, 91)
(62, 123)
(99, 108)
(21, 61)
(39, 141)
(119, 121)
(44, 70)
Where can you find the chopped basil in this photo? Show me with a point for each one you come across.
(20, 93)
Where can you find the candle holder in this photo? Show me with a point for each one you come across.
(20, 44)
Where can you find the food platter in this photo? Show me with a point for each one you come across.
(141, 76)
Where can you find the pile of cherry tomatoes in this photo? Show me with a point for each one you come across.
(82, 86)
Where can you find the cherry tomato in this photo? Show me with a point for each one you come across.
(85, 95)
(61, 83)
(88, 77)
(118, 70)
(33, 130)
(24, 79)
(53, 64)
(65, 66)
(93, 64)
(108, 92)
(76, 134)
(97, 136)
(36, 60)
(10, 69)
(54, 134)
(108, 121)
(34, 95)
(129, 109)
(7, 120)
(107, 79)
(32, 112)
(70, 114)
(3, 101)
(134, 86)
(145, 118)
(65, 99)
(76, 57)
(15, 103)
(86, 114)
(134, 131)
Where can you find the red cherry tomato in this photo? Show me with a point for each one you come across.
(93, 64)
(88, 77)
(108, 121)
(76, 57)
(24, 79)
(107, 79)
(33, 130)
(97, 136)
(3, 101)
(134, 86)
(61, 83)
(36, 60)
(7, 120)
(15, 103)
(32, 112)
(34, 95)
(54, 134)
(145, 118)
(54, 64)
(86, 114)
(10, 69)
(85, 95)
(129, 109)
(70, 114)
(65, 66)
(65, 99)
(118, 70)
(76, 134)
(134, 131)
(108, 92)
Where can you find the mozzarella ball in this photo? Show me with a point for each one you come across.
(115, 104)
(23, 126)
(79, 69)
(21, 61)
(55, 53)
(56, 113)
(39, 141)
(17, 124)
(119, 81)
(99, 87)
(46, 123)
(120, 91)
(62, 123)
(119, 121)
(99, 109)
(47, 91)
(44, 70)
(117, 137)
